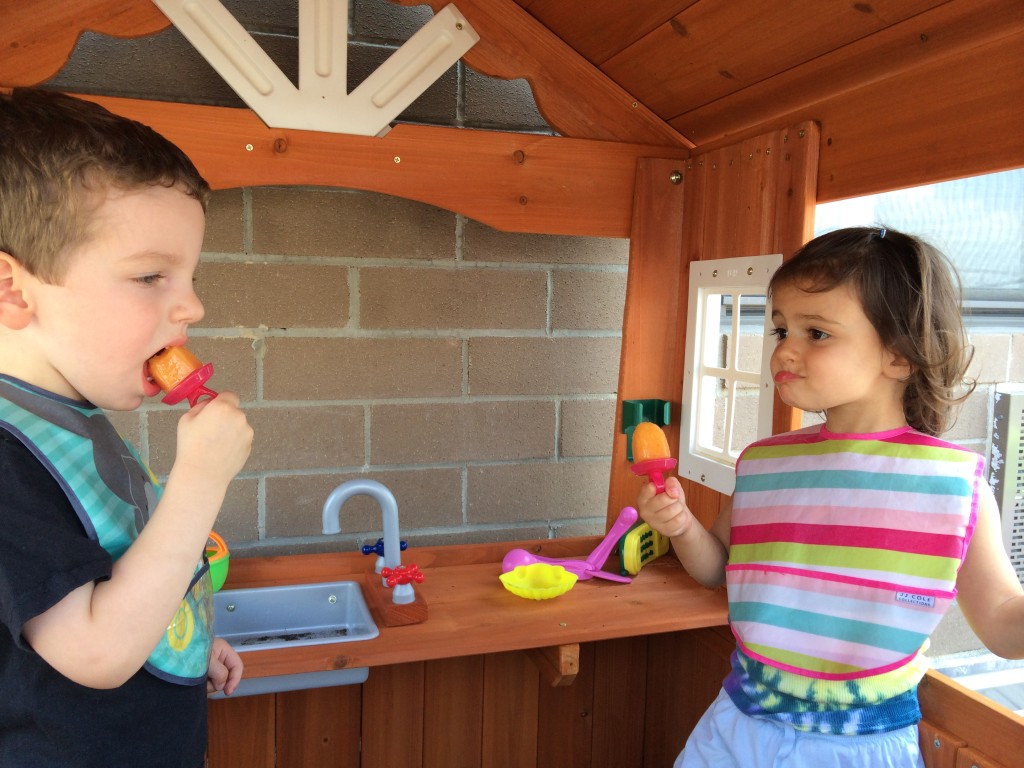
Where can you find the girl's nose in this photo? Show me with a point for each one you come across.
(785, 349)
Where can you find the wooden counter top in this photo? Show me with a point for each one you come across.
(470, 612)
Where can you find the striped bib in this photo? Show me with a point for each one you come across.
(844, 549)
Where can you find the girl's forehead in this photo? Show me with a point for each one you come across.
(840, 306)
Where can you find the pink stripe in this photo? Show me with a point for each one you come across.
(815, 499)
(911, 520)
(836, 578)
(822, 675)
(829, 584)
(825, 648)
(912, 542)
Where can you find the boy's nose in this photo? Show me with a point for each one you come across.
(190, 309)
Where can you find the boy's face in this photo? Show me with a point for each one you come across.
(126, 295)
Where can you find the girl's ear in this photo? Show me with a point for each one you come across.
(897, 367)
(15, 312)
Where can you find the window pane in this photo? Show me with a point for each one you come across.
(978, 222)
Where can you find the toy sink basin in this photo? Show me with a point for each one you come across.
(292, 615)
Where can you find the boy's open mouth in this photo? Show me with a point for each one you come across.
(150, 387)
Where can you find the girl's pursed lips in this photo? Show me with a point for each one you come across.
(783, 376)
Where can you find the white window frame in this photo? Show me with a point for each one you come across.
(699, 459)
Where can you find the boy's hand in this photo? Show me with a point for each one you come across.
(225, 668)
(215, 438)
(666, 512)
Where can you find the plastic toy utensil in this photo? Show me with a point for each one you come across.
(192, 387)
(180, 374)
(651, 453)
(584, 569)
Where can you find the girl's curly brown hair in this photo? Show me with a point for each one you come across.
(912, 295)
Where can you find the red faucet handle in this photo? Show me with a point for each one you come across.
(402, 574)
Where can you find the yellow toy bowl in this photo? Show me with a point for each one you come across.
(538, 581)
(218, 555)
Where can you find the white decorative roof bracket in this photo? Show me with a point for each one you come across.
(322, 102)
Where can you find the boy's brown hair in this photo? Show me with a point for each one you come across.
(59, 156)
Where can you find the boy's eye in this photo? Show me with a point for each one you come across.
(149, 279)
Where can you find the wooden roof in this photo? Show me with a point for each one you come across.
(904, 91)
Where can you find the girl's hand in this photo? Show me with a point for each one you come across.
(666, 512)
(225, 668)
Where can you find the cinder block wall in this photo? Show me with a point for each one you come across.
(471, 371)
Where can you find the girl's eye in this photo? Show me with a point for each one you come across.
(778, 333)
(817, 335)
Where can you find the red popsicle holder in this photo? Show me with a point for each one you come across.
(191, 387)
(654, 470)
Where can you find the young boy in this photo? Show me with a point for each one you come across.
(106, 654)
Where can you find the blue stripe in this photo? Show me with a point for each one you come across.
(848, 630)
(847, 478)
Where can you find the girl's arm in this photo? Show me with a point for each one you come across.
(989, 592)
(702, 552)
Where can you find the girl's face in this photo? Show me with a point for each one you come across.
(828, 357)
(126, 295)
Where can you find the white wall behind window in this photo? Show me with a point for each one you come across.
(978, 222)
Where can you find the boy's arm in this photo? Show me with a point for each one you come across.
(702, 552)
(100, 634)
(988, 591)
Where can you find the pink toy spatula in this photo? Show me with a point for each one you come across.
(584, 569)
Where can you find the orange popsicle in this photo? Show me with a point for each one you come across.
(172, 366)
(180, 374)
(649, 442)
(651, 454)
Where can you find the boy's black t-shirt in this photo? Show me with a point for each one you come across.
(47, 720)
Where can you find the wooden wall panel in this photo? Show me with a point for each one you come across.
(991, 728)
(242, 733)
(652, 358)
(319, 728)
(565, 718)
(510, 711)
(974, 758)
(393, 706)
(620, 694)
(938, 747)
(453, 713)
(754, 197)
(633, 703)
(684, 675)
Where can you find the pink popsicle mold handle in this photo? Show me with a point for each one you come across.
(191, 387)
(654, 470)
(627, 516)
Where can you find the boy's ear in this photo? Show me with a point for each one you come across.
(15, 312)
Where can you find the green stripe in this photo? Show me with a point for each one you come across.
(801, 660)
(927, 566)
(866, 447)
